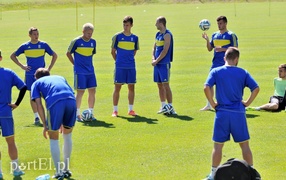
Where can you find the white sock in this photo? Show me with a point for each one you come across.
(77, 112)
(36, 115)
(15, 165)
(55, 152)
(163, 104)
(67, 149)
(257, 108)
(115, 108)
(213, 169)
(91, 110)
(130, 107)
(208, 104)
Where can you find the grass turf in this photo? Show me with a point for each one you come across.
(152, 146)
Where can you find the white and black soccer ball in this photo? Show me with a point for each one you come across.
(86, 115)
(167, 109)
(204, 25)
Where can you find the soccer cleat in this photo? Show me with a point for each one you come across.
(160, 111)
(67, 174)
(206, 108)
(114, 114)
(59, 176)
(18, 173)
(208, 178)
(172, 112)
(92, 118)
(1, 176)
(251, 109)
(78, 119)
(37, 121)
(165, 109)
(132, 113)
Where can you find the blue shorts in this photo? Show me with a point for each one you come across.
(230, 122)
(29, 80)
(63, 113)
(83, 81)
(124, 76)
(7, 125)
(161, 73)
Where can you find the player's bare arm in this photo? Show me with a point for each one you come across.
(113, 53)
(16, 61)
(53, 61)
(208, 93)
(153, 53)
(42, 115)
(167, 42)
(206, 37)
(251, 97)
(69, 55)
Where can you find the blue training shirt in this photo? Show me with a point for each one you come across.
(35, 54)
(83, 52)
(52, 88)
(224, 40)
(230, 82)
(8, 79)
(125, 47)
(159, 41)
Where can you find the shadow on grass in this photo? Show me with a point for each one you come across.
(180, 117)
(251, 115)
(17, 178)
(96, 123)
(33, 125)
(247, 115)
(139, 119)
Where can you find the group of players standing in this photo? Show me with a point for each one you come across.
(58, 94)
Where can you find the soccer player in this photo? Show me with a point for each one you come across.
(220, 41)
(8, 79)
(162, 56)
(83, 48)
(61, 115)
(230, 118)
(123, 50)
(34, 51)
(277, 102)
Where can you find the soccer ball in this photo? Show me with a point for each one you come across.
(204, 24)
(86, 115)
(167, 109)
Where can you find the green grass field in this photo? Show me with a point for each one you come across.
(152, 146)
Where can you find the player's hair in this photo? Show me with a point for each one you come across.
(41, 72)
(162, 19)
(32, 29)
(128, 19)
(87, 26)
(282, 66)
(232, 53)
(222, 18)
